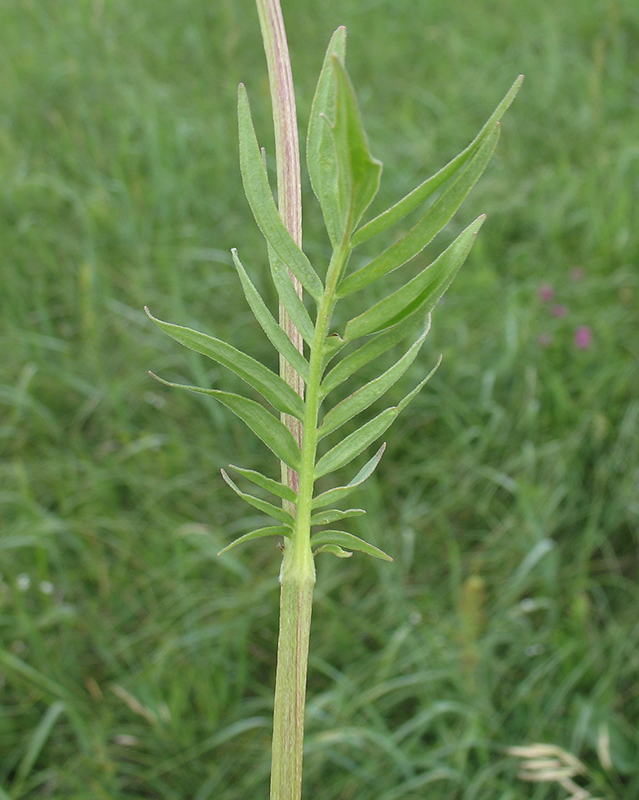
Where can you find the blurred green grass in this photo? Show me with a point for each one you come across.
(134, 663)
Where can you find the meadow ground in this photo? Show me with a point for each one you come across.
(135, 663)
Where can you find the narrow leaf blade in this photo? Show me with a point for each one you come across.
(355, 443)
(422, 292)
(320, 149)
(276, 512)
(361, 399)
(258, 193)
(289, 297)
(422, 192)
(409, 397)
(264, 425)
(340, 492)
(262, 379)
(358, 172)
(369, 351)
(275, 334)
(342, 539)
(280, 490)
(271, 530)
(430, 224)
(334, 515)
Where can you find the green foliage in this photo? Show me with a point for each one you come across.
(345, 178)
(320, 146)
(121, 187)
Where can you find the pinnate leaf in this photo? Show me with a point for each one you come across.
(369, 351)
(355, 443)
(264, 425)
(340, 492)
(276, 512)
(274, 332)
(289, 297)
(267, 383)
(409, 397)
(372, 391)
(422, 292)
(431, 223)
(280, 490)
(422, 192)
(342, 539)
(271, 530)
(260, 198)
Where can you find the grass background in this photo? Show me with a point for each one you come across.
(134, 663)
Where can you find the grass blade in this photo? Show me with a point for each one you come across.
(276, 512)
(264, 425)
(422, 192)
(278, 393)
(422, 292)
(275, 334)
(430, 224)
(260, 198)
(36, 743)
(34, 677)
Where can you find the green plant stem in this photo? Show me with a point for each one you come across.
(296, 602)
(298, 578)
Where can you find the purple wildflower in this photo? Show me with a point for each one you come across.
(546, 293)
(559, 311)
(583, 337)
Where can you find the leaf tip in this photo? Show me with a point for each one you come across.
(149, 315)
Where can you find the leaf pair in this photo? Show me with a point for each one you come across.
(355, 443)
